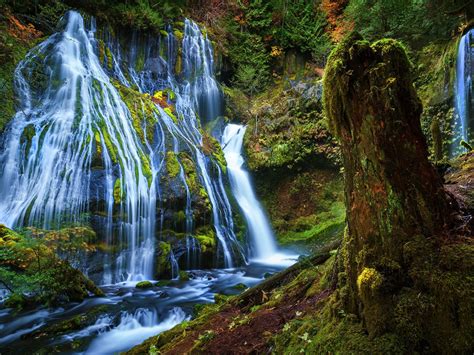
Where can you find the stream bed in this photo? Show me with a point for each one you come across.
(126, 316)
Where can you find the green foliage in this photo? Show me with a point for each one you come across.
(207, 240)
(261, 30)
(437, 140)
(303, 27)
(318, 229)
(140, 14)
(12, 50)
(289, 134)
(32, 272)
(251, 62)
(412, 21)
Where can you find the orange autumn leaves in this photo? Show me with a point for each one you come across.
(20, 31)
(338, 25)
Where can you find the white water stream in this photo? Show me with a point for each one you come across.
(463, 93)
(260, 232)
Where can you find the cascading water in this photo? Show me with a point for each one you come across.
(77, 116)
(92, 143)
(463, 92)
(45, 182)
(259, 229)
(198, 57)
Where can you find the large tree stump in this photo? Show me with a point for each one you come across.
(393, 194)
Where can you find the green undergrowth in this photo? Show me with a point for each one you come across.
(318, 229)
(322, 326)
(435, 66)
(33, 273)
(301, 219)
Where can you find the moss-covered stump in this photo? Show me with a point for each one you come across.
(397, 260)
(34, 275)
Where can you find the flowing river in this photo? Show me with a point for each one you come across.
(79, 150)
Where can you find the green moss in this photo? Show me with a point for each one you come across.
(193, 182)
(163, 266)
(101, 51)
(369, 280)
(163, 283)
(207, 241)
(321, 335)
(142, 110)
(183, 275)
(240, 287)
(326, 226)
(146, 168)
(211, 146)
(169, 111)
(108, 143)
(118, 192)
(172, 164)
(144, 284)
(108, 55)
(179, 35)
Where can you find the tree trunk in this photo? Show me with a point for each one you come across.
(393, 194)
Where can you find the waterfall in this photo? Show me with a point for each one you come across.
(260, 232)
(76, 144)
(463, 93)
(45, 182)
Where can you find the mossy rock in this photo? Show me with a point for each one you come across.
(144, 284)
(172, 164)
(163, 264)
(34, 273)
(240, 287)
(183, 275)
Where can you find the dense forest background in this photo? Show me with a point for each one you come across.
(357, 292)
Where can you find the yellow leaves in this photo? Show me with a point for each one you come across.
(170, 113)
(276, 51)
(159, 95)
(369, 278)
